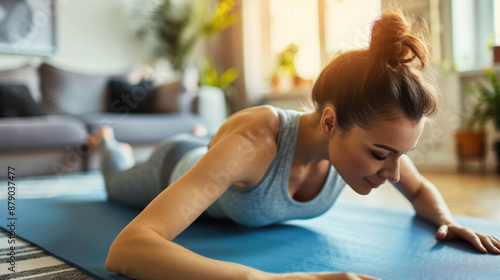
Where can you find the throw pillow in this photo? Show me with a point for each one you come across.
(131, 98)
(169, 98)
(16, 101)
(25, 75)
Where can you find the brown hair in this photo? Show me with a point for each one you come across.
(383, 81)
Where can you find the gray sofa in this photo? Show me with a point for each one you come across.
(75, 104)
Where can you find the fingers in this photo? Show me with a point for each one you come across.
(490, 243)
(496, 240)
(468, 235)
(482, 243)
(474, 239)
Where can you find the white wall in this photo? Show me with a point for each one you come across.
(92, 37)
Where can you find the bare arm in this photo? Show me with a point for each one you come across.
(424, 196)
(430, 205)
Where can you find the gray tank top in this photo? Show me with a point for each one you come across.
(269, 201)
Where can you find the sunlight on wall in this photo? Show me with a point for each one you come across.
(296, 22)
(347, 26)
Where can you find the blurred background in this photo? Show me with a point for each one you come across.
(270, 51)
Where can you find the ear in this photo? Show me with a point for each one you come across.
(328, 120)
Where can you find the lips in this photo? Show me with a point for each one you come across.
(372, 185)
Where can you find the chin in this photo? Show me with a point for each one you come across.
(360, 188)
(363, 191)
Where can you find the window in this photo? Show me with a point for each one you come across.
(319, 28)
(296, 22)
(472, 24)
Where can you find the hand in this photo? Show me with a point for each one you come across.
(482, 243)
(320, 276)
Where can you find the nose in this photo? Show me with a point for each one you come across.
(390, 171)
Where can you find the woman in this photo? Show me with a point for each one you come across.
(371, 107)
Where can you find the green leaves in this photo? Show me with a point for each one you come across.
(286, 61)
(211, 77)
(221, 19)
(488, 102)
(167, 23)
(177, 26)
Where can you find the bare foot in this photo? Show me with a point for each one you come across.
(199, 130)
(103, 132)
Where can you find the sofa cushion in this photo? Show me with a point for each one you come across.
(25, 75)
(169, 98)
(41, 133)
(71, 93)
(16, 101)
(131, 98)
(143, 128)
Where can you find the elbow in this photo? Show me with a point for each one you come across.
(124, 255)
(109, 264)
(112, 259)
(117, 258)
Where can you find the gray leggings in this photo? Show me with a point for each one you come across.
(137, 184)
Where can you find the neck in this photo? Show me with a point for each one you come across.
(312, 144)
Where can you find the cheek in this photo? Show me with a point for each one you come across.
(351, 161)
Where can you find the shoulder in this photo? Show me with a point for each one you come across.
(256, 117)
(260, 123)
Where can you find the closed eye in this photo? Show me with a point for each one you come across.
(378, 157)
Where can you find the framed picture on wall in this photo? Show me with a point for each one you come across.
(27, 27)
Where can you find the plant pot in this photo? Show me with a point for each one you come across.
(496, 54)
(470, 144)
(497, 152)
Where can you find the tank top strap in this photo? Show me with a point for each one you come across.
(287, 135)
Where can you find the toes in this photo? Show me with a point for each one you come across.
(127, 147)
(199, 130)
(106, 132)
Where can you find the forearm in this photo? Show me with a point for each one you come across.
(430, 205)
(145, 254)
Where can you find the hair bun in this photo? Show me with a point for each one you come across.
(393, 40)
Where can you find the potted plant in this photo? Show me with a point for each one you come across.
(487, 108)
(178, 29)
(167, 23)
(285, 75)
(494, 45)
(211, 76)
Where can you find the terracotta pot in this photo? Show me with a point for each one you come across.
(496, 54)
(470, 144)
(497, 152)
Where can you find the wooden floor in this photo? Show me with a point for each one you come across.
(466, 194)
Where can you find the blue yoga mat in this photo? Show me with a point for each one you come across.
(382, 242)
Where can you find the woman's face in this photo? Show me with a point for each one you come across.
(366, 158)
